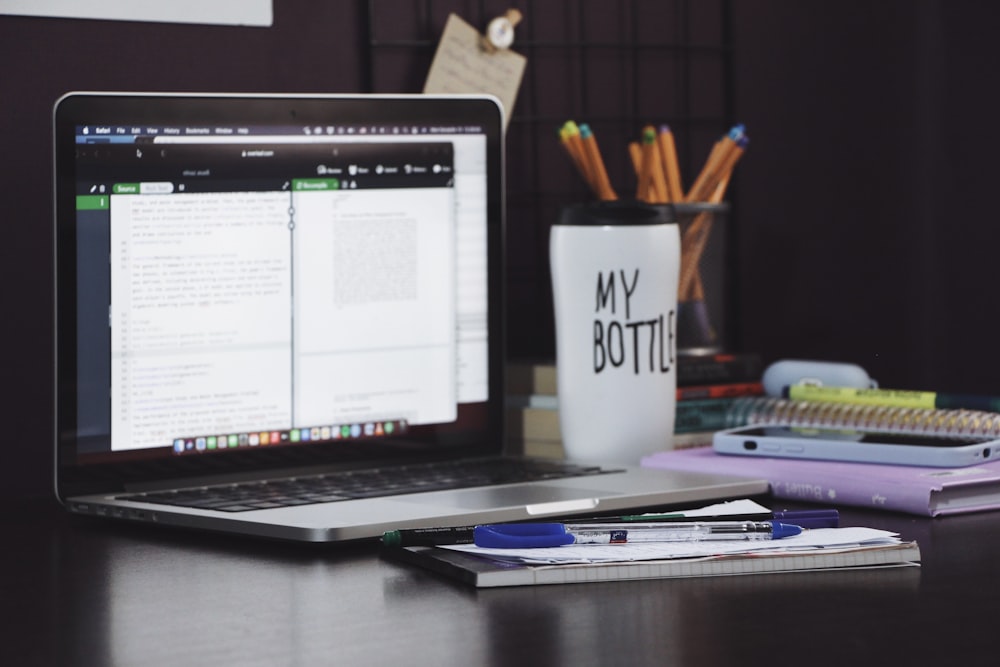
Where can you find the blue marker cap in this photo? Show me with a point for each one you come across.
(779, 530)
(521, 535)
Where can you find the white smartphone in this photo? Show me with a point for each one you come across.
(857, 446)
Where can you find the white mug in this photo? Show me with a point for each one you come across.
(615, 271)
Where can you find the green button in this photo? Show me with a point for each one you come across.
(125, 188)
(317, 184)
(93, 202)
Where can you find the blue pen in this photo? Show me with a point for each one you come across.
(531, 535)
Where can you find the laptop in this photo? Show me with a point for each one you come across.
(282, 316)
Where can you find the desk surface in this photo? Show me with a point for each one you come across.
(82, 591)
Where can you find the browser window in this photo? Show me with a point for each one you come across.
(279, 285)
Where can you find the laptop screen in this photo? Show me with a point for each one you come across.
(239, 273)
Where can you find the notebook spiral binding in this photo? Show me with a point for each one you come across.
(810, 414)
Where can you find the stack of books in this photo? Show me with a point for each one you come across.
(707, 388)
(533, 410)
(925, 491)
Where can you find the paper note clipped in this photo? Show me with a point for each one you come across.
(462, 65)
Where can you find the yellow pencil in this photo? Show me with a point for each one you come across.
(693, 244)
(569, 134)
(635, 154)
(671, 167)
(596, 163)
(707, 172)
(721, 160)
(642, 192)
(657, 180)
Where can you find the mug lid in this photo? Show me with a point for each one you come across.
(617, 212)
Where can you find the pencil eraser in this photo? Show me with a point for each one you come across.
(787, 372)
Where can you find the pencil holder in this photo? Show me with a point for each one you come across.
(615, 270)
(703, 301)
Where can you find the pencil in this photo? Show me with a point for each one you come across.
(652, 187)
(645, 190)
(723, 157)
(569, 134)
(635, 154)
(671, 167)
(658, 181)
(711, 187)
(693, 244)
(596, 163)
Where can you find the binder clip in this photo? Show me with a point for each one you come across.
(500, 32)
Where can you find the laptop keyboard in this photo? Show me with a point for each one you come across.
(357, 484)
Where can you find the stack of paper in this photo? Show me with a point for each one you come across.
(816, 549)
(809, 542)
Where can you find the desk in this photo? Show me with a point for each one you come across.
(77, 591)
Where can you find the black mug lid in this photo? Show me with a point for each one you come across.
(617, 212)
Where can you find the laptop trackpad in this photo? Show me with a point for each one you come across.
(509, 496)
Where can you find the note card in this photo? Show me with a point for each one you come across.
(462, 65)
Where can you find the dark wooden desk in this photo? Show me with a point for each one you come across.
(81, 592)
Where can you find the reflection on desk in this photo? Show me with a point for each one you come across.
(90, 593)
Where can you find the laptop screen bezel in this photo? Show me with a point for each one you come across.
(485, 435)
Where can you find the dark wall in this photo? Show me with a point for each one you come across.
(311, 47)
(867, 228)
(863, 207)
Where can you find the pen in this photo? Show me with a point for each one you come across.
(818, 518)
(430, 537)
(893, 398)
(534, 535)
(427, 537)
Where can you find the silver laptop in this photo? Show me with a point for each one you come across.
(282, 316)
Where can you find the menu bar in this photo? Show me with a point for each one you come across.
(131, 133)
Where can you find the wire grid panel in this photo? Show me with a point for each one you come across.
(614, 65)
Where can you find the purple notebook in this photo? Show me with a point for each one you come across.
(910, 489)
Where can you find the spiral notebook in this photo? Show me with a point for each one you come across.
(764, 410)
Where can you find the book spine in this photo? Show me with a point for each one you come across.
(526, 378)
(852, 491)
(542, 423)
(818, 482)
(732, 390)
(692, 371)
(534, 424)
(718, 369)
(807, 414)
(707, 414)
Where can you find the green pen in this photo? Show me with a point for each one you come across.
(818, 518)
